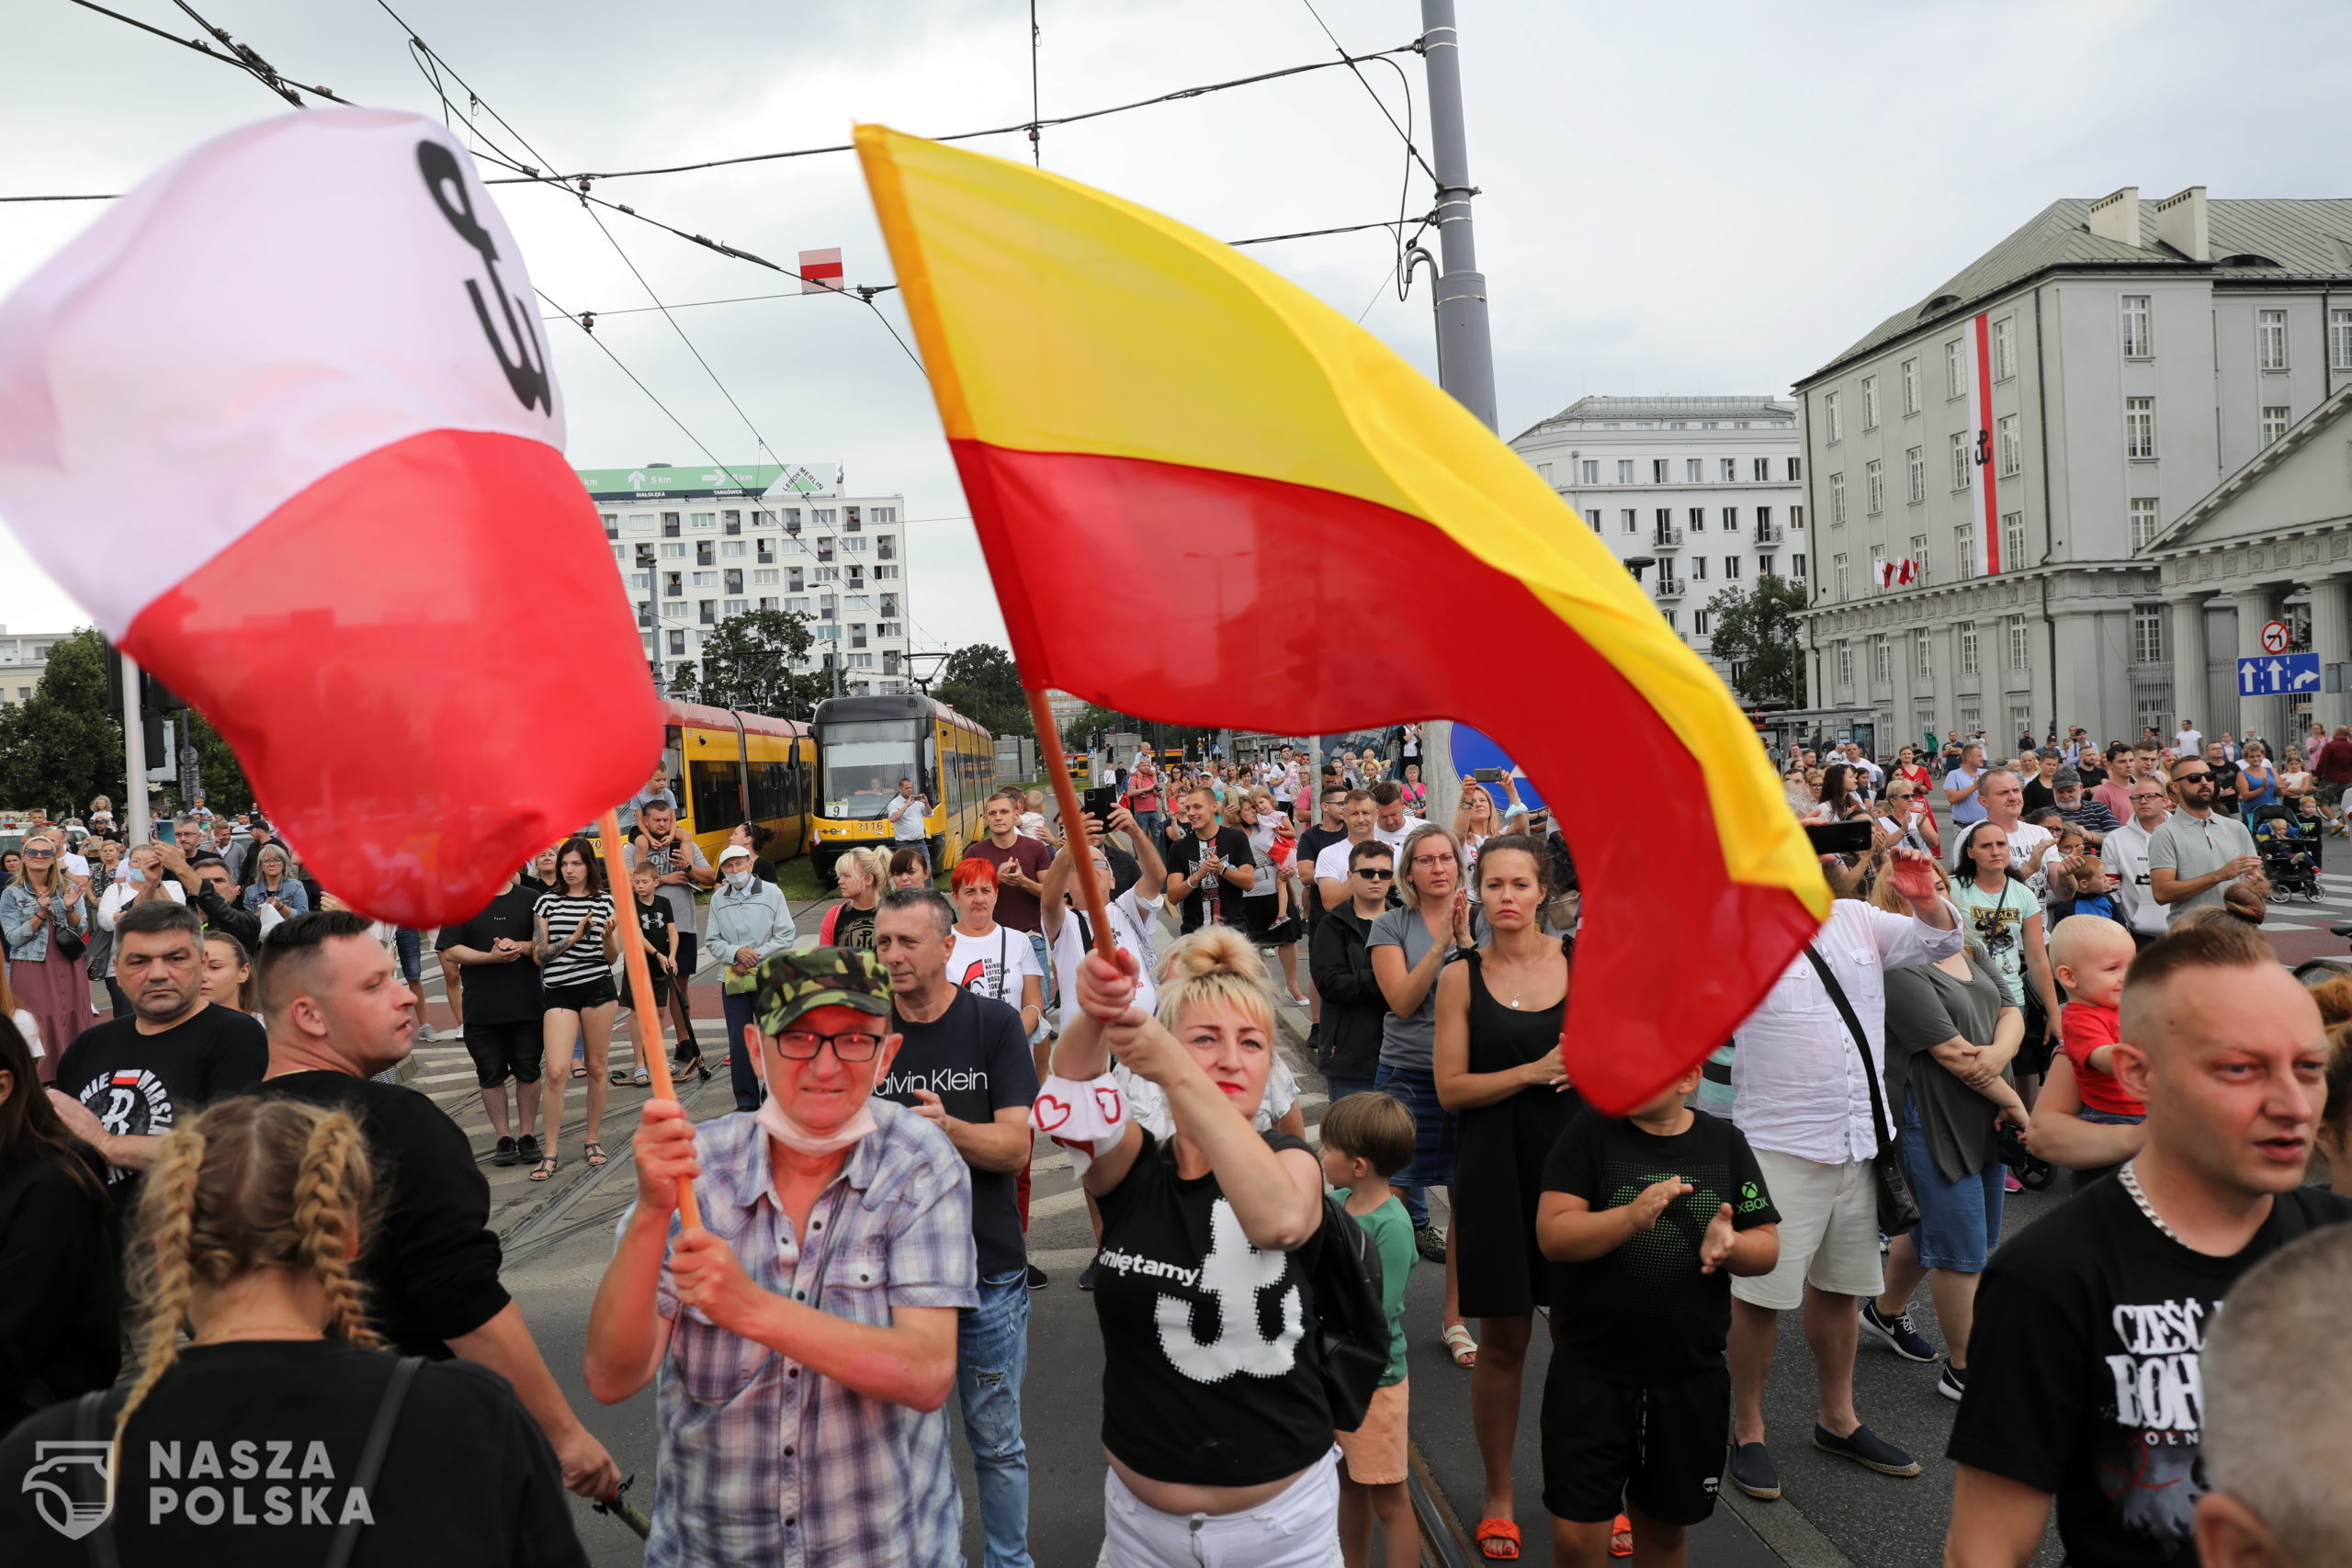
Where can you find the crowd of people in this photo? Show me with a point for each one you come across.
(251, 1234)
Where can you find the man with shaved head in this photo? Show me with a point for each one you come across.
(2087, 1387)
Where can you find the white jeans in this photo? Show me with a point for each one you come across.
(1297, 1527)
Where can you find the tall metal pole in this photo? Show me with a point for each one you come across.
(134, 755)
(1465, 358)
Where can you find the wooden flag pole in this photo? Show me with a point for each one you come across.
(1049, 743)
(647, 1034)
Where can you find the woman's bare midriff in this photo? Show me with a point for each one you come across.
(1174, 1497)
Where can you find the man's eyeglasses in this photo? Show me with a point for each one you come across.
(1375, 872)
(802, 1045)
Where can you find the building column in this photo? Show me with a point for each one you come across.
(2331, 640)
(2266, 716)
(2188, 668)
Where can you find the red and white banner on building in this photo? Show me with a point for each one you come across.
(1987, 547)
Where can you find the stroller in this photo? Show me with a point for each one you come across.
(2288, 859)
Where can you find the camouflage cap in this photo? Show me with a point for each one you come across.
(787, 985)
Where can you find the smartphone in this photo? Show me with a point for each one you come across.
(1487, 775)
(1840, 838)
(1099, 803)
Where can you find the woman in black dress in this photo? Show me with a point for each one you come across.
(1497, 1063)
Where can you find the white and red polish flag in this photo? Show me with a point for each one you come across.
(283, 422)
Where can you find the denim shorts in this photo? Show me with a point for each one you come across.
(1959, 1220)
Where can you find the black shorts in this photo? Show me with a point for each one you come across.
(505, 1050)
(689, 953)
(1658, 1445)
(581, 997)
(660, 978)
(1265, 928)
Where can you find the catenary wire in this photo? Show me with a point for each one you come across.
(242, 56)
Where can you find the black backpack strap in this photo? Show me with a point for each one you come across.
(1862, 1041)
(372, 1457)
(90, 1426)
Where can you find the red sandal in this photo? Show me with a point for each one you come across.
(1499, 1540)
(1624, 1526)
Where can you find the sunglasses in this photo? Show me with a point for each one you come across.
(802, 1045)
(41, 854)
(1375, 873)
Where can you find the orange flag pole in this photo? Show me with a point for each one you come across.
(1049, 742)
(647, 1036)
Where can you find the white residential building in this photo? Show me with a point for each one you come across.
(1710, 489)
(24, 657)
(697, 544)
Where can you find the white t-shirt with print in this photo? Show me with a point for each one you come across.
(1130, 928)
(993, 964)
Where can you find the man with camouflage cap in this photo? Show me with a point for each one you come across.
(805, 1334)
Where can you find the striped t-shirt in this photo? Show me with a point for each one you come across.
(585, 963)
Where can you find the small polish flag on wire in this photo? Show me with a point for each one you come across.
(820, 272)
(283, 422)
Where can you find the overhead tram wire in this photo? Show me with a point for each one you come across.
(1036, 150)
(242, 56)
(1401, 275)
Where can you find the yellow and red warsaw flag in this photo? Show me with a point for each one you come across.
(283, 422)
(1207, 497)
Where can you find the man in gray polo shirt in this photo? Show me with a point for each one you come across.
(2197, 853)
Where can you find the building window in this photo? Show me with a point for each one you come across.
(1796, 469)
(1910, 387)
(640, 523)
(1881, 662)
(706, 579)
(1665, 520)
(706, 610)
(735, 607)
(2339, 340)
(1832, 423)
(2012, 446)
(668, 524)
(766, 578)
(1729, 469)
(1731, 519)
(1796, 517)
(1963, 541)
(1694, 471)
(1626, 525)
(2020, 648)
(2138, 328)
(2005, 348)
(677, 642)
(1923, 658)
(703, 519)
(1875, 486)
(1698, 569)
(2139, 427)
(1731, 568)
(1698, 519)
(1919, 554)
(1836, 500)
(730, 522)
(734, 583)
(2270, 339)
(612, 521)
(1845, 664)
(1624, 470)
(1767, 565)
(674, 552)
(881, 573)
(1955, 368)
(1763, 520)
(1763, 468)
(2274, 421)
(1915, 466)
(1870, 402)
(2147, 634)
(1698, 622)
(1878, 567)
(1967, 656)
(734, 547)
(1589, 470)
(1838, 574)
(1796, 565)
(1543, 472)
(1963, 460)
(2143, 521)
(1659, 469)
(2012, 540)
(1591, 516)
(1669, 614)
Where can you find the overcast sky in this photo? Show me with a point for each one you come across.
(1691, 199)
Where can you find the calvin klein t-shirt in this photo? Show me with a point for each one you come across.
(975, 1057)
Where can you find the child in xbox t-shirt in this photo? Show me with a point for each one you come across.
(1656, 1212)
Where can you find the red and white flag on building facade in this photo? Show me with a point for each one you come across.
(820, 272)
(1986, 545)
(283, 422)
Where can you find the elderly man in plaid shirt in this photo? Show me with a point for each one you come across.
(805, 1339)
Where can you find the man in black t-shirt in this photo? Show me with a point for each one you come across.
(1208, 857)
(503, 1003)
(338, 1014)
(1331, 830)
(125, 1083)
(2086, 1387)
(964, 1064)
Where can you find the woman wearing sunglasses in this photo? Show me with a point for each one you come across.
(42, 916)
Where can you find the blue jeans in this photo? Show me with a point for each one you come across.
(1339, 1089)
(2083, 1179)
(412, 951)
(1959, 1220)
(737, 1007)
(1045, 986)
(991, 1361)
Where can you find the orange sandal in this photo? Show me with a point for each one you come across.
(1499, 1540)
(1624, 1526)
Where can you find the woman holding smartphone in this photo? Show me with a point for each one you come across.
(275, 887)
(577, 939)
(1907, 813)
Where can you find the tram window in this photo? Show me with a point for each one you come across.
(717, 794)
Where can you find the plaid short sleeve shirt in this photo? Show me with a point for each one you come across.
(762, 1460)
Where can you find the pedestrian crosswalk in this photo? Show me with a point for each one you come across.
(2299, 914)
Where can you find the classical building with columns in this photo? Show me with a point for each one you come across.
(2109, 449)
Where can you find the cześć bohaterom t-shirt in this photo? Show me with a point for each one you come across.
(142, 1084)
(2085, 1377)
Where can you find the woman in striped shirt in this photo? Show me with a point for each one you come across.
(577, 940)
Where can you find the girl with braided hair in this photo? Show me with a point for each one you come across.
(249, 1440)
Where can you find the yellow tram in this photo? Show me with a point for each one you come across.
(866, 745)
(727, 767)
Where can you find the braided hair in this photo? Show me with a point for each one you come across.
(252, 1183)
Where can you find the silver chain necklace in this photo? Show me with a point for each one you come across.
(2130, 1180)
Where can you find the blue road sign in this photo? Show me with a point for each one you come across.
(1473, 749)
(2278, 674)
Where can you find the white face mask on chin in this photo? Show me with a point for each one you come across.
(792, 1135)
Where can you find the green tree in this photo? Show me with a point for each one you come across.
(747, 664)
(217, 770)
(63, 745)
(1095, 720)
(981, 681)
(1755, 631)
